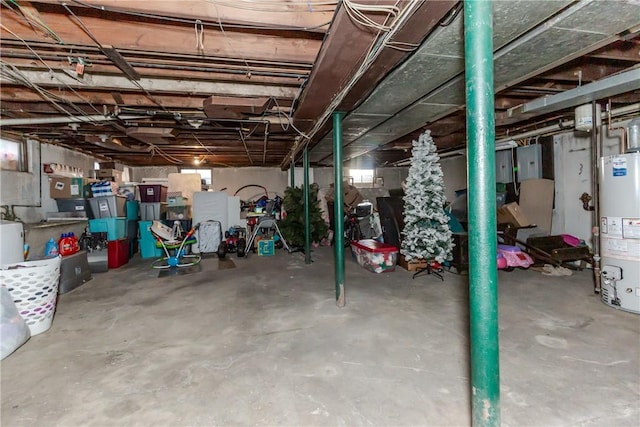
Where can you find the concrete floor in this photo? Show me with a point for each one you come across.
(264, 344)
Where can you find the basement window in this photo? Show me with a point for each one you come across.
(12, 155)
(205, 174)
(362, 176)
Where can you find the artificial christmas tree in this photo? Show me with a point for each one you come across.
(426, 234)
(292, 226)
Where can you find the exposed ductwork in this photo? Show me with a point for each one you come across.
(430, 84)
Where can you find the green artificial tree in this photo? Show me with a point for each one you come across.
(292, 226)
(426, 233)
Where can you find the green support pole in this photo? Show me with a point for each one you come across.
(338, 213)
(307, 221)
(483, 276)
(292, 178)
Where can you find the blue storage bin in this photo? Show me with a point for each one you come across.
(133, 209)
(145, 230)
(116, 228)
(148, 249)
(132, 229)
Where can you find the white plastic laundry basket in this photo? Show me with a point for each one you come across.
(33, 286)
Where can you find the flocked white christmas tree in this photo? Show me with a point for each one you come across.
(426, 232)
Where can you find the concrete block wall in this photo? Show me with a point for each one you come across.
(31, 189)
(138, 173)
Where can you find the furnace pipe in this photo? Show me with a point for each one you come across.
(568, 124)
(595, 217)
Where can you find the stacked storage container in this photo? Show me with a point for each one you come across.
(110, 214)
(71, 194)
(178, 209)
(148, 248)
(116, 229)
(132, 208)
(153, 198)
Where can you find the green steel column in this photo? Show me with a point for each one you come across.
(338, 212)
(292, 178)
(307, 222)
(483, 276)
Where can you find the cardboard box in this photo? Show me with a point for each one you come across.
(109, 174)
(69, 188)
(412, 265)
(536, 199)
(352, 197)
(511, 213)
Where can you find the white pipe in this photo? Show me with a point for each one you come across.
(568, 124)
(64, 119)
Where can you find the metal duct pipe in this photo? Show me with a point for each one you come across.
(568, 124)
(595, 217)
(67, 119)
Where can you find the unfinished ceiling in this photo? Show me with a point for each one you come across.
(249, 83)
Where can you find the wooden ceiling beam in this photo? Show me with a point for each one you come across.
(286, 14)
(151, 70)
(158, 37)
(584, 73)
(623, 50)
(58, 78)
(25, 95)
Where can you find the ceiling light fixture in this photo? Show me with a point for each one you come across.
(195, 123)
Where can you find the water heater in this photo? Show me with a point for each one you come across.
(620, 231)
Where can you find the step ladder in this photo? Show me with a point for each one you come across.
(267, 223)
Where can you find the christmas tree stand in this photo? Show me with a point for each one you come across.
(432, 268)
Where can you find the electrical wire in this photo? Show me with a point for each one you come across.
(357, 13)
(33, 20)
(374, 51)
(53, 74)
(452, 15)
(228, 41)
(278, 7)
(190, 21)
(199, 36)
(402, 46)
(245, 146)
(156, 150)
(92, 37)
(209, 151)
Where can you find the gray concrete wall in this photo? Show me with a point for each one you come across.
(454, 170)
(572, 170)
(31, 188)
(324, 176)
(393, 177)
(138, 173)
(274, 180)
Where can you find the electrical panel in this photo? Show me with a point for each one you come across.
(529, 162)
(504, 166)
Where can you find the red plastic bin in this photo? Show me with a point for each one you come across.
(375, 256)
(153, 193)
(117, 253)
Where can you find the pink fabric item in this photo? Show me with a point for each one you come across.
(516, 259)
(570, 240)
